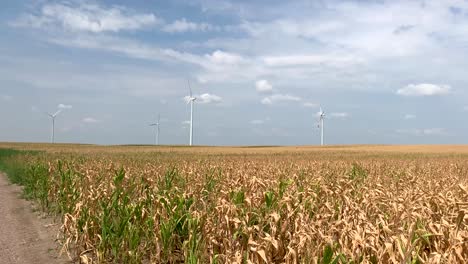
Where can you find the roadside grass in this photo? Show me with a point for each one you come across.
(20, 169)
(14, 168)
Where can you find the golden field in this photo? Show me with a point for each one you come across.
(173, 204)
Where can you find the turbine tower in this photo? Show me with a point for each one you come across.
(191, 101)
(157, 129)
(321, 118)
(53, 116)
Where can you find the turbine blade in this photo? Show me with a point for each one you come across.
(159, 118)
(56, 113)
(190, 88)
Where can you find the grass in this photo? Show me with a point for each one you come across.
(14, 169)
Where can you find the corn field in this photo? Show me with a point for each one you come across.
(296, 206)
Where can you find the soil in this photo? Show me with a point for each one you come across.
(26, 235)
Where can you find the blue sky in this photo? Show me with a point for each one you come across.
(385, 72)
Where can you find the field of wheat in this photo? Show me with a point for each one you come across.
(250, 205)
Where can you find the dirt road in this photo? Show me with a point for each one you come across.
(25, 237)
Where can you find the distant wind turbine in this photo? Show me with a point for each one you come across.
(157, 129)
(53, 116)
(191, 101)
(321, 118)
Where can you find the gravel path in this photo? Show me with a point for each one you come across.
(25, 237)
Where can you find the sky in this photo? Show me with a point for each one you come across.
(384, 72)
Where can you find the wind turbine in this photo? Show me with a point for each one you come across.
(53, 116)
(321, 118)
(190, 101)
(157, 128)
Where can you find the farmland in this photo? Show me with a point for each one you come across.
(341, 204)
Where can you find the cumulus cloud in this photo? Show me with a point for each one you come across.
(409, 116)
(86, 17)
(424, 89)
(64, 106)
(263, 86)
(90, 120)
(81, 17)
(182, 25)
(221, 57)
(278, 98)
(205, 98)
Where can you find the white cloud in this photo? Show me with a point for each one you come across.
(339, 115)
(423, 132)
(344, 46)
(409, 116)
(304, 60)
(424, 89)
(266, 101)
(221, 57)
(182, 25)
(263, 86)
(309, 104)
(205, 98)
(352, 25)
(130, 48)
(86, 17)
(64, 106)
(90, 120)
(218, 64)
(277, 98)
